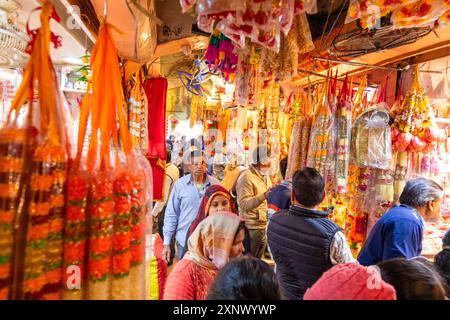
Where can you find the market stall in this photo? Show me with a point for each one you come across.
(360, 95)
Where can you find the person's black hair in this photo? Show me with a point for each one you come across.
(245, 278)
(169, 144)
(196, 154)
(442, 260)
(446, 239)
(260, 155)
(168, 155)
(413, 279)
(283, 167)
(240, 227)
(308, 186)
(193, 142)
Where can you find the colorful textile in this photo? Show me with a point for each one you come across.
(161, 265)
(188, 281)
(156, 91)
(351, 281)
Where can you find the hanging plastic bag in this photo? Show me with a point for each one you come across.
(136, 27)
(344, 125)
(76, 217)
(442, 90)
(373, 139)
(117, 229)
(321, 140)
(138, 116)
(417, 14)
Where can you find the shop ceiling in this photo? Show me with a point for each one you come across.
(177, 36)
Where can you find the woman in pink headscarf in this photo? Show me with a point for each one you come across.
(351, 281)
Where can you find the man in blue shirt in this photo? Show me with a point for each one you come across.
(184, 203)
(399, 232)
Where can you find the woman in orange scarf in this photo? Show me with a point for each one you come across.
(218, 238)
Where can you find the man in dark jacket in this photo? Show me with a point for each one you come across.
(303, 242)
(399, 232)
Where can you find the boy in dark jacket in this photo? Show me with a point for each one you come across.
(280, 196)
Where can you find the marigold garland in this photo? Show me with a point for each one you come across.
(75, 231)
(121, 259)
(44, 249)
(12, 147)
(100, 244)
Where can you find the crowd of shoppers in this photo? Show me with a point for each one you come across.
(224, 222)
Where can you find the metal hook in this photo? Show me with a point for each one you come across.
(136, 27)
(105, 9)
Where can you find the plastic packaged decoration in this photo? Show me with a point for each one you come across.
(248, 82)
(100, 242)
(138, 115)
(260, 21)
(401, 173)
(119, 194)
(121, 238)
(141, 201)
(76, 217)
(372, 136)
(358, 228)
(344, 125)
(35, 154)
(294, 149)
(13, 147)
(321, 140)
(368, 11)
(414, 128)
(75, 234)
(418, 13)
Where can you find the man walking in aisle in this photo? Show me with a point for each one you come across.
(399, 232)
(184, 202)
(303, 242)
(253, 189)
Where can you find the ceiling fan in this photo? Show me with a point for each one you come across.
(359, 41)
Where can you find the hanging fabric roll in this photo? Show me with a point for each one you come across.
(156, 91)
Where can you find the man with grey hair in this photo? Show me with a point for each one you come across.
(399, 232)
